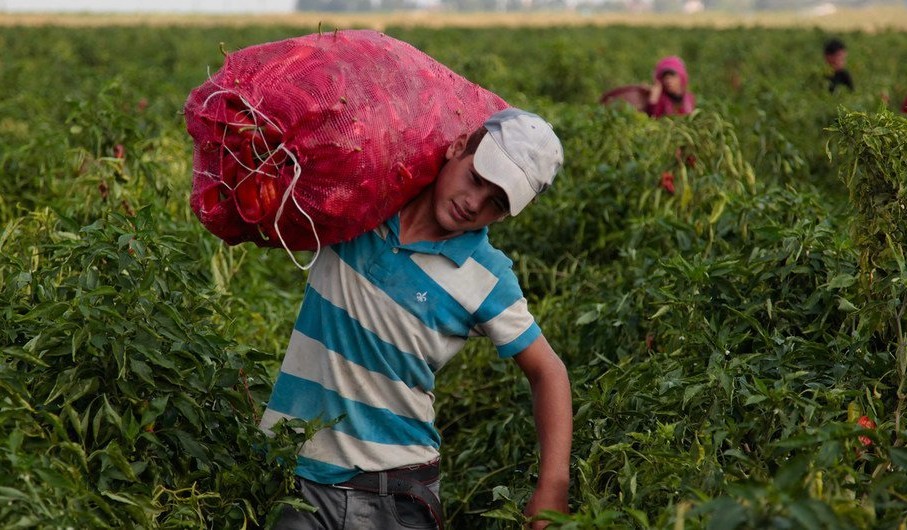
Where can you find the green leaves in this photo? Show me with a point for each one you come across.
(717, 343)
(115, 374)
(718, 337)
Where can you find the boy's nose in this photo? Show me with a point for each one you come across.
(470, 202)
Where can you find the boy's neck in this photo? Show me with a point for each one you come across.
(418, 223)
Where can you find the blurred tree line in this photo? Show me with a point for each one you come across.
(588, 5)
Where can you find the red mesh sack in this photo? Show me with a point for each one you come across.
(314, 140)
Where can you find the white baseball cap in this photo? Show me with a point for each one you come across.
(520, 153)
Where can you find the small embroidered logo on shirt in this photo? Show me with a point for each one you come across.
(421, 297)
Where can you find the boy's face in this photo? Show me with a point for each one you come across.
(837, 60)
(464, 201)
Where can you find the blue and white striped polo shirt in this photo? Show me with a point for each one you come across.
(377, 321)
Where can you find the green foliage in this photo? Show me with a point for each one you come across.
(723, 337)
(874, 149)
(125, 405)
(874, 169)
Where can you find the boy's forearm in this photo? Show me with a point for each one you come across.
(553, 412)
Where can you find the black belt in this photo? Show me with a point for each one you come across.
(408, 481)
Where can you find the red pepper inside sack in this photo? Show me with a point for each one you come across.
(353, 122)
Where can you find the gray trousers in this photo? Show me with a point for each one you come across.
(349, 509)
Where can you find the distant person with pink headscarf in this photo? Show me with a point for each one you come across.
(669, 94)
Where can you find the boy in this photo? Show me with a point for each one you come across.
(383, 312)
(836, 58)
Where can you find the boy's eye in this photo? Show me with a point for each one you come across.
(501, 204)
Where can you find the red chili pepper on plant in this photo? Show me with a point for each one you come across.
(650, 341)
(667, 182)
(867, 423)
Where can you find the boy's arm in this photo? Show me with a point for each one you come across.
(553, 411)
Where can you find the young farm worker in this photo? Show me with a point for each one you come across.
(669, 94)
(836, 58)
(386, 310)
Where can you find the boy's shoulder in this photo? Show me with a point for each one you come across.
(467, 261)
(471, 246)
(491, 256)
(481, 250)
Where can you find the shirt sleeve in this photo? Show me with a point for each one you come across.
(504, 317)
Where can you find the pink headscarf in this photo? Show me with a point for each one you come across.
(665, 105)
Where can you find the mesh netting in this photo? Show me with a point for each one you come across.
(314, 140)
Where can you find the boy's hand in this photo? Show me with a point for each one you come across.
(552, 408)
(553, 498)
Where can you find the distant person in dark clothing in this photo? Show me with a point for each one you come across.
(904, 106)
(836, 57)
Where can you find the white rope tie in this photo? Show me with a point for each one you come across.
(257, 114)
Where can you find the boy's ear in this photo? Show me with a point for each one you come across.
(456, 148)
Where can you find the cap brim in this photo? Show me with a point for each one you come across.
(493, 164)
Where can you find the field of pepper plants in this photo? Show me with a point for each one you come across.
(727, 289)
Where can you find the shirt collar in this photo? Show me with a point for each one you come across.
(457, 249)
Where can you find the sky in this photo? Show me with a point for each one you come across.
(134, 6)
